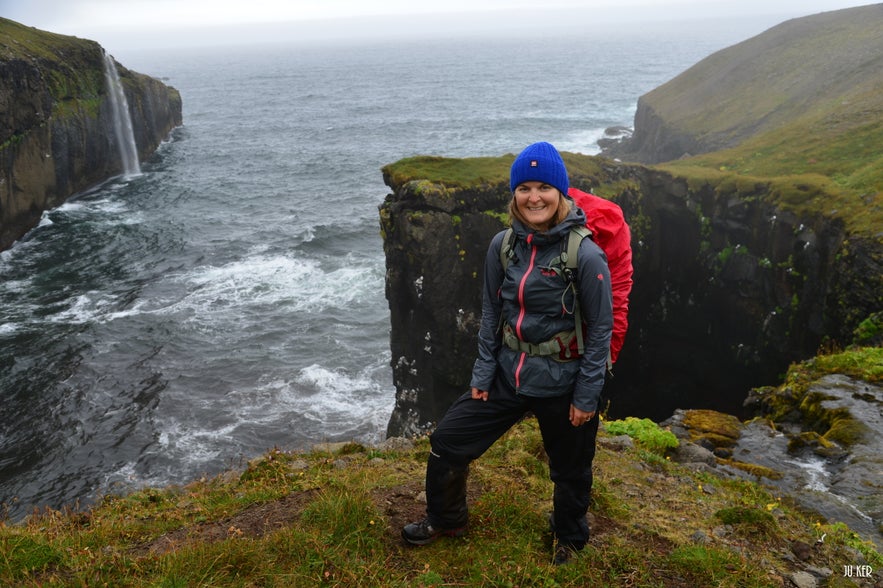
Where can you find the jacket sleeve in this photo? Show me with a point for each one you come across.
(489, 339)
(596, 306)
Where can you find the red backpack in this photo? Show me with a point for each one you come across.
(610, 231)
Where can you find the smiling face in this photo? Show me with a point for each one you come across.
(537, 203)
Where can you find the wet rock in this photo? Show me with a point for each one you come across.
(688, 452)
(829, 452)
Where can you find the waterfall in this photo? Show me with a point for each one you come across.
(122, 120)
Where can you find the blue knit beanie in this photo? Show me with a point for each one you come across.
(539, 162)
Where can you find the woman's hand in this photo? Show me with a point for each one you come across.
(479, 394)
(577, 417)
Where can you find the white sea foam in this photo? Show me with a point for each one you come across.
(584, 141)
(89, 307)
(45, 221)
(322, 395)
(300, 284)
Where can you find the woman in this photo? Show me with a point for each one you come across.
(527, 360)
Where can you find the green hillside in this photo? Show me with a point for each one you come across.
(799, 106)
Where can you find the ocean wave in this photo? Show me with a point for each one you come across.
(302, 285)
(317, 404)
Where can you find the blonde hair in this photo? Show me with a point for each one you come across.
(564, 208)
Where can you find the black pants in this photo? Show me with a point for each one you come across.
(471, 426)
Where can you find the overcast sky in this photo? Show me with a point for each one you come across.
(126, 23)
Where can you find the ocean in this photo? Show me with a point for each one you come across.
(229, 299)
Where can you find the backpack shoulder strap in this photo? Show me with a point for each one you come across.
(577, 234)
(506, 248)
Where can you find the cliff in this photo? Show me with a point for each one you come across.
(731, 283)
(56, 125)
(746, 258)
(823, 71)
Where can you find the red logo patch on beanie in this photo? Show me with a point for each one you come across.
(534, 163)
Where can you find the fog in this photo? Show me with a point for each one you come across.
(136, 24)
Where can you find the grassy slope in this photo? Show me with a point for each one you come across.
(332, 517)
(69, 79)
(803, 107)
(815, 63)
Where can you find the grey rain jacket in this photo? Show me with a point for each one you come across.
(537, 304)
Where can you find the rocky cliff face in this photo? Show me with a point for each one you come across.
(729, 289)
(56, 125)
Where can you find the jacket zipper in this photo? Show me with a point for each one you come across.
(522, 310)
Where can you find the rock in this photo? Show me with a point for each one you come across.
(617, 443)
(330, 447)
(396, 444)
(688, 452)
(803, 579)
(820, 573)
(803, 551)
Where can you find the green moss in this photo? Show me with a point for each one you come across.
(870, 331)
(830, 425)
(722, 430)
(753, 469)
(748, 520)
(502, 216)
(863, 363)
(847, 431)
(647, 433)
(809, 439)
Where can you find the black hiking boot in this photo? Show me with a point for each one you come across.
(563, 554)
(423, 533)
(562, 551)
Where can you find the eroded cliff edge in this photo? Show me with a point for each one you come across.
(56, 125)
(730, 285)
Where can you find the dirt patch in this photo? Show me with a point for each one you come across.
(255, 521)
(400, 505)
